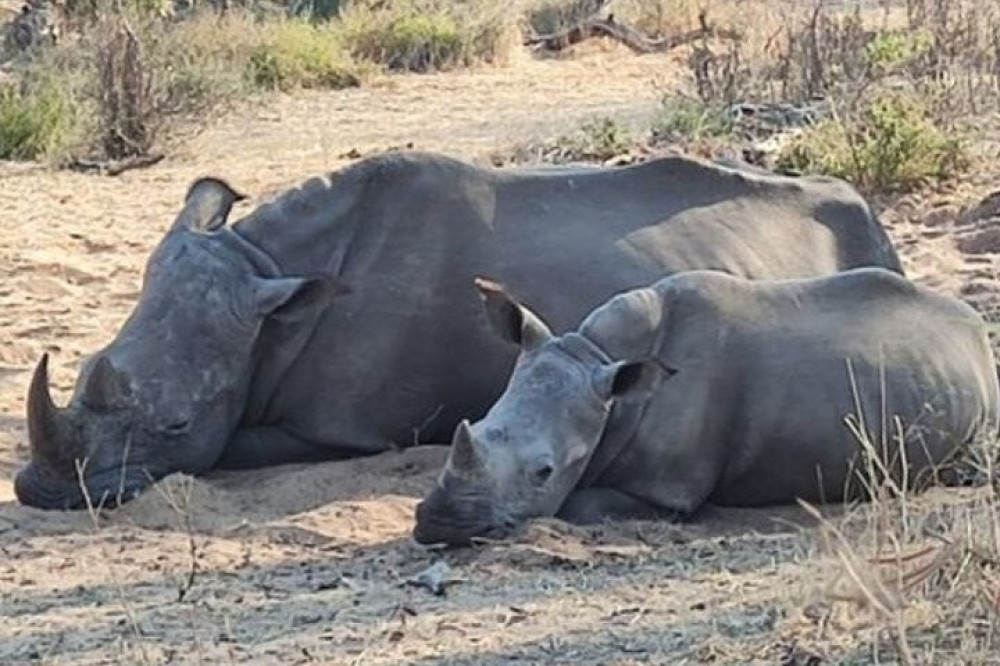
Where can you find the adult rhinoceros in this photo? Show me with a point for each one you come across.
(238, 355)
(706, 387)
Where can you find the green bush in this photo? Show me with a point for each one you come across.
(889, 51)
(410, 37)
(35, 124)
(890, 145)
(296, 54)
(684, 118)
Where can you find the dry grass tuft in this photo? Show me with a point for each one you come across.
(881, 97)
(923, 574)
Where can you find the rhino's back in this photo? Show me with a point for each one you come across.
(410, 350)
(677, 214)
(769, 371)
(825, 366)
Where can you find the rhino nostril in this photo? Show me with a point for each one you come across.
(543, 473)
(177, 428)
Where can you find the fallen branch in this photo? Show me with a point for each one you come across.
(632, 38)
(116, 167)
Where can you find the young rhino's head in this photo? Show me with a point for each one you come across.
(526, 455)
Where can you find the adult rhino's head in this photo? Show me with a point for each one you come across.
(526, 455)
(167, 392)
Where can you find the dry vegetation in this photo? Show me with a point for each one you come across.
(314, 564)
(127, 71)
(882, 96)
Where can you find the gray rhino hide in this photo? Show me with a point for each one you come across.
(409, 352)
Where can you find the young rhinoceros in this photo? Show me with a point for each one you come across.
(711, 388)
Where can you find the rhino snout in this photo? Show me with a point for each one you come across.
(439, 520)
(36, 487)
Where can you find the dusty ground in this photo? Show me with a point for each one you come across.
(309, 565)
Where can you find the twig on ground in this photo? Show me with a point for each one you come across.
(116, 167)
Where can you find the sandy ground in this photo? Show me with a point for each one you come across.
(310, 564)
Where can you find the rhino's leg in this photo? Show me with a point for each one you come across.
(265, 446)
(587, 506)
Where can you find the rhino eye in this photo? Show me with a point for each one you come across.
(542, 474)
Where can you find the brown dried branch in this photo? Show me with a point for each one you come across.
(634, 39)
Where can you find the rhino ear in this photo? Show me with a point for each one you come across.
(464, 457)
(512, 321)
(631, 380)
(207, 205)
(290, 298)
(106, 388)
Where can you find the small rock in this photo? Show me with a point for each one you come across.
(435, 578)
(939, 217)
(987, 208)
(986, 241)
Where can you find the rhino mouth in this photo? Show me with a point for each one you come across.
(429, 533)
(102, 490)
(453, 529)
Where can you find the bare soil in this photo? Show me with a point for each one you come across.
(310, 564)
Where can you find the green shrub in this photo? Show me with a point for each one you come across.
(683, 118)
(890, 145)
(125, 82)
(545, 17)
(35, 124)
(417, 38)
(597, 140)
(889, 51)
(296, 54)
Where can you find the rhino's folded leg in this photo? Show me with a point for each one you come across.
(587, 506)
(265, 446)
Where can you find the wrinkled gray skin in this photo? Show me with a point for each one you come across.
(707, 388)
(238, 355)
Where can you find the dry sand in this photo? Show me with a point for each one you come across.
(309, 564)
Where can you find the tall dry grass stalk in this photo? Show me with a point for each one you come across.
(925, 573)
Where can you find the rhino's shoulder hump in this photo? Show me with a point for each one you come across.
(636, 319)
(702, 289)
(407, 167)
(378, 176)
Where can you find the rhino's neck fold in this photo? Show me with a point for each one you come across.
(311, 228)
(263, 262)
(583, 348)
(621, 424)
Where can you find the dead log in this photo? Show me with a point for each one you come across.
(631, 37)
(116, 167)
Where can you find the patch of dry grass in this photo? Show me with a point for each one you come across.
(920, 579)
(129, 78)
(599, 140)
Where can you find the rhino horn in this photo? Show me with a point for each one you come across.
(464, 454)
(106, 388)
(207, 204)
(50, 432)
